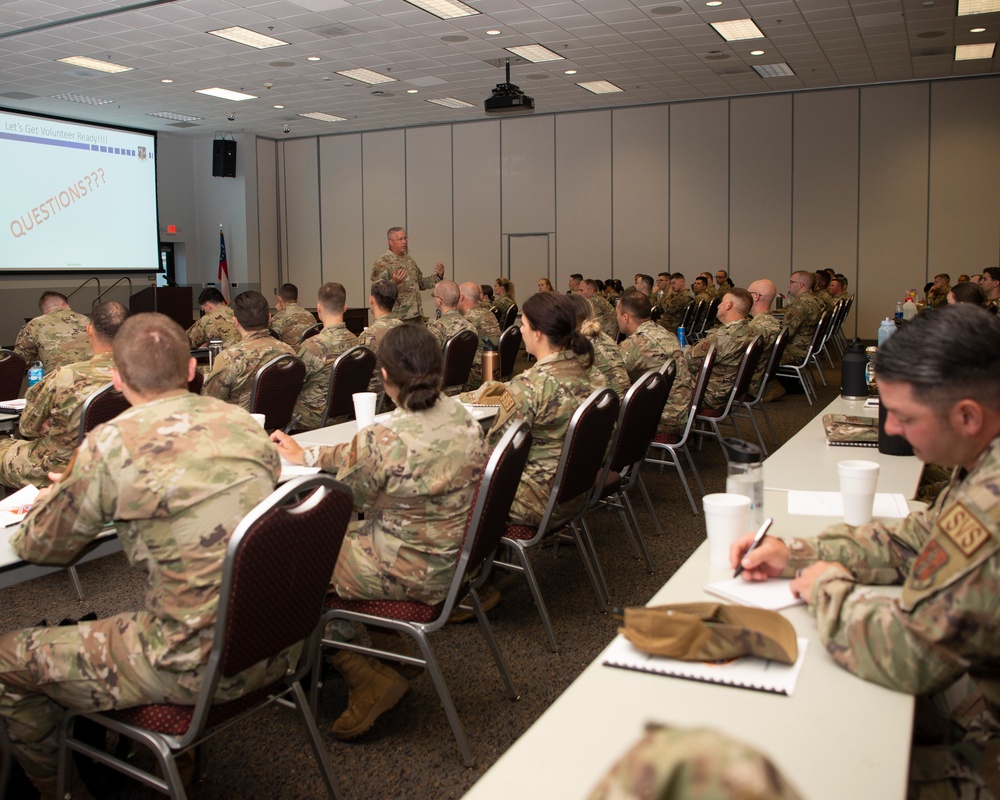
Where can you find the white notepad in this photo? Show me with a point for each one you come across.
(830, 504)
(773, 594)
(747, 672)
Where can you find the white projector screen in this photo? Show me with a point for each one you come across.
(77, 197)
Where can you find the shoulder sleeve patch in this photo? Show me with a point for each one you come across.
(964, 529)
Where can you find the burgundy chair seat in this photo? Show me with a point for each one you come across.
(174, 720)
(407, 610)
(666, 438)
(711, 412)
(520, 532)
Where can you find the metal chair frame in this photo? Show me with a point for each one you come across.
(510, 344)
(459, 356)
(284, 366)
(311, 331)
(510, 317)
(749, 404)
(351, 372)
(801, 371)
(741, 385)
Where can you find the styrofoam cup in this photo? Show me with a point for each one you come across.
(261, 419)
(727, 518)
(364, 408)
(858, 480)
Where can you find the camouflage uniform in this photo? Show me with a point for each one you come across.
(231, 378)
(824, 297)
(291, 322)
(57, 401)
(217, 324)
(649, 348)
(56, 339)
(485, 322)
(451, 323)
(605, 314)
(370, 338)
(706, 296)
(546, 396)
(730, 344)
(800, 319)
(699, 764)
(938, 298)
(408, 302)
(609, 362)
(174, 476)
(503, 303)
(945, 624)
(767, 325)
(318, 354)
(673, 309)
(413, 475)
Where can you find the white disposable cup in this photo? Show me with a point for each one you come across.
(727, 518)
(364, 408)
(261, 419)
(858, 480)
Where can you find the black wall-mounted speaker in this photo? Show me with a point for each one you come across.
(223, 158)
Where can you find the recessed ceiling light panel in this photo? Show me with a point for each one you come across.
(173, 115)
(81, 98)
(444, 9)
(226, 94)
(971, 52)
(600, 87)
(774, 70)
(534, 53)
(366, 76)
(450, 102)
(95, 63)
(248, 37)
(322, 117)
(966, 7)
(737, 29)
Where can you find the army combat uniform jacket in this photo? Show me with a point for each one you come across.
(56, 339)
(217, 324)
(318, 354)
(801, 318)
(371, 337)
(605, 314)
(450, 324)
(608, 360)
(291, 322)
(231, 378)
(648, 348)
(408, 305)
(730, 344)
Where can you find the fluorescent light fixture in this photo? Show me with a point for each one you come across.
(247, 37)
(451, 102)
(444, 9)
(95, 63)
(493, 32)
(970, 52)
(166, 80)
(323, 117)
(173, 115)
(756, 52)
(774, 70)
(312, 58)
(977, 30)
(412, 91)
(966, 7)
(737, 29)
(226, 94)
(713, 3)
(534, 53)
(366, 76)
(81, 98)
(277, 106)
(570, 72)
(600, 87)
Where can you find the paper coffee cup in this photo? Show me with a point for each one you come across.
(261, 419)
(364, 408)
(727, 518)
(858, 480)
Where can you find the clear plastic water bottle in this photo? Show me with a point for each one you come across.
(899, 313)
(745, 475)
(682, 336)
(35, 373)
(885, 330)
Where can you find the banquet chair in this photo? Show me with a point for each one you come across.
(689, 313)
(12, 369)
(665, 444)
(495, 310)
(637, 419)
(510, 317)
(705, 322)
(459, 354)
(276, 573)
(485, 525)
(195, 384)
(311, 331)
(698, 309)
(580, 462)
(510, 343)
(751, 402)
(276, 387)
(714, 417)
(800, 371)
(351, 372)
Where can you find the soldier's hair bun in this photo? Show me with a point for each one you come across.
(412, 361)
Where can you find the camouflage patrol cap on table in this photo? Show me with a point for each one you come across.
(710, 632)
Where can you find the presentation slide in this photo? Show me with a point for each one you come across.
(77, 197)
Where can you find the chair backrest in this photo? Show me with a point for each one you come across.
(195, 384)
(822, 325)
(488, 516)
(705, 321)
(276, 573)
(773, 361)
(509, 318)
(350, 373)
(697, 314)
(510, 344)
(311, 331)
(276, 387)
(698, 395)
(497, 312)
(102, 405)
(639, 415)
(459, 353)
(12, 369)
(689, 311)
(744, 373)
(583, 454)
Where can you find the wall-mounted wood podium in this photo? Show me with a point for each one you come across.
(174, 301)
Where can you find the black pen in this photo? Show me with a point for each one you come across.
(757, 539)
(292, 423)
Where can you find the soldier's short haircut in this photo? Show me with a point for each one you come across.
(106, 319)
(49, 301)
(700, 279)
(391, 231)
(576, 276)
(333, 297)
(944, 275)
(470, 291)
(595, 285)
(289, 292)
(807, 279)
(820, 279)
(742, 300)
(647, 282)
(664, 275)
(152, 354)
(993, 273)
(385, 294)
(448, 292)
(636, 305)
(842, 278)
(210, 295)
(677, 276)
(412, 360)
(946, 356)
(251, 310)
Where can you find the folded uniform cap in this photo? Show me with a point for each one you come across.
(710, 632)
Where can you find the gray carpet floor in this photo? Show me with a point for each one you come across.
(410, 753)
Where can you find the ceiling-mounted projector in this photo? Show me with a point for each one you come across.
(507, 99)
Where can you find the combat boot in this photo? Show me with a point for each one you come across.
(393, 642)
(373, 688)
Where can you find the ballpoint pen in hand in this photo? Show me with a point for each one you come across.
(292, 423)
(757, 539)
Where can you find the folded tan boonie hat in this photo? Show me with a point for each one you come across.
(710, 632)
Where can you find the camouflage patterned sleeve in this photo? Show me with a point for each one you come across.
(427, 282)
(38, 408)
(358, 463)
(694, 354)
(218, 381)
(196, 334)
(521, 400)
(793, 320)
(632, 355)
(25, 346)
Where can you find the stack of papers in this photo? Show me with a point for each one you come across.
(14, 508)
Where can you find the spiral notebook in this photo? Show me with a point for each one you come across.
(758, 674)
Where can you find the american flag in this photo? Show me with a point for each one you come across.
(223, 267)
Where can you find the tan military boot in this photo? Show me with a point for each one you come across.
(373, 689)
(393, 642)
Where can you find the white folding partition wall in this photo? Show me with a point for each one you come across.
(887, 184)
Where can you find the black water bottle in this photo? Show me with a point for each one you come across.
(853, 385)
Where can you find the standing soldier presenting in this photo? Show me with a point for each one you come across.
(397, 266)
